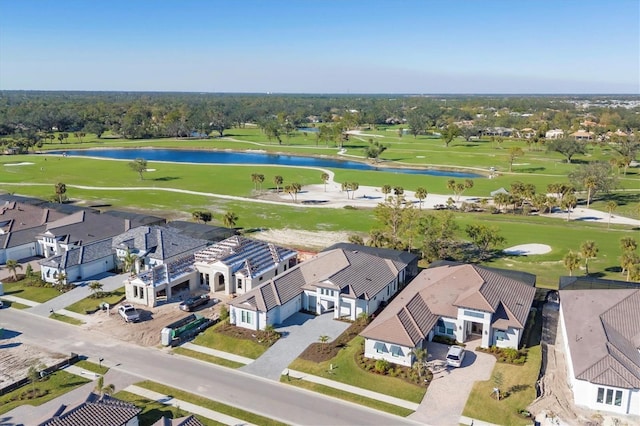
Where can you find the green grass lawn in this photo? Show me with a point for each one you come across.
(243, 347)
(519, 381)
(348, 396)
(91, 303)
(210, 404)
(65, 318)
(208, 358)
(36, 294)
(56, 384)
(92, 366)
(152, 411)
(346, 370)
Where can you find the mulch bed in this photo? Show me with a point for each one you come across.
(319, 352)
(262, 337)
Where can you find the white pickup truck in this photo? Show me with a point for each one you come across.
(129, 313)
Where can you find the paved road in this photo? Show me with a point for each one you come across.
(266, 397)
(298, 332)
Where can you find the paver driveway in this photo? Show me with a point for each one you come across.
(298, 332)
(448, 392)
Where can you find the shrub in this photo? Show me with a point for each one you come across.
(510, 353)
(224, 313)
(382, 365)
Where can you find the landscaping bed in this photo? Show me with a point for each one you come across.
(237, 340)
(506, 355)
(320, 352)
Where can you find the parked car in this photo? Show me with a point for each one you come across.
(129, 313)
(455, 356)
(193, 302)
(1, 304)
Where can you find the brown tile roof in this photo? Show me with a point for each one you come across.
(355, 274)
(603, 334)
(440, 291)
(96, 411)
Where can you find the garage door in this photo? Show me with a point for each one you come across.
(22, 252)
(94, 269)
(345, 310)
(289, 308)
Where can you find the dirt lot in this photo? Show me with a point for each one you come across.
(16, 357)
(147, 331)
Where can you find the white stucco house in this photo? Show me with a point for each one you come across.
(79, 263)
(601, 330)
(460, 301)
(237, 264)
(554, 134)
(347, 283)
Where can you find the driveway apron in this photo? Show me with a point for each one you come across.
(298, 332)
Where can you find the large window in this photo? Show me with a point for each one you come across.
(609, 397)
(247, 317)
(445, 328)
(501, 335)
(474, 314)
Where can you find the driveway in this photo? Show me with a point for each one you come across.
(448, 392)
(298, 332)
(109, 282)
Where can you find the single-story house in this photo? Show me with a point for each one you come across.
(79, 263)
(104, 410)
(155, 245)
(461, 301)
(601, 330)
(582, 135)
(554, 134)
(238, 264)
(346, 282)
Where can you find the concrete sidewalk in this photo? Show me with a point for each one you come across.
(184, 405)
(19, 300)
(217, 353)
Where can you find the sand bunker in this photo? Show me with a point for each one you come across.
(24, 163)
(527, 249)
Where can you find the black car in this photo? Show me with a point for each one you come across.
(193, 302)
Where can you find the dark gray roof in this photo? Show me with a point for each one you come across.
(96, 411)
(591, 283)
(18, 238)
(81, 255)
(354, 274)
(603, 334)
(157, 242)
(201, 230)
(136, 219)
(182, 421)
(84, 227)
(401, 258)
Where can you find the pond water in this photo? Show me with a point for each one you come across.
(229, 157)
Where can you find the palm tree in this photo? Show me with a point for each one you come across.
(295, 188)
(420, 356)
(629, 262)
(590, 183)
(588, 250)
(324, 339)
(61, 188)
(421, 194)
(571, 261)
(229, 219)
(278, 181)
(325, 178)
(611, 206)
(569, 201)
(12, 266)
(386, 190)
(95, 287)
(102, 389)
(628, 244)
(398, 190)
(128, 262)
(61, 279)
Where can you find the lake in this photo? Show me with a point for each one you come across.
(230, 157)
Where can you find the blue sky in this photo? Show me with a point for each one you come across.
(322, 46)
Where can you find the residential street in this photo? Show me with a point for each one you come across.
(251, 393)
